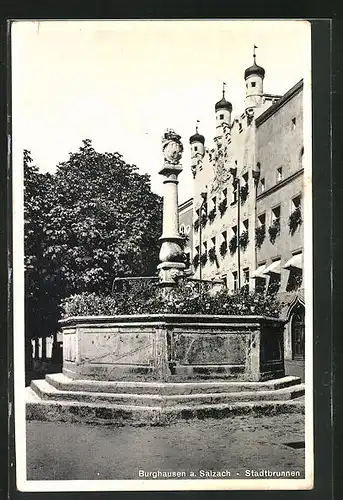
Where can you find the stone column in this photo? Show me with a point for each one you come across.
(171, 254)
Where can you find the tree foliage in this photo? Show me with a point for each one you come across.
(94, 219)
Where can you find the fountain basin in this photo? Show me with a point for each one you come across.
(173, 347)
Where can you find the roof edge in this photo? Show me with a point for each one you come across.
(284, 99)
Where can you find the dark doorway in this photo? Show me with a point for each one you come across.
(298, 332)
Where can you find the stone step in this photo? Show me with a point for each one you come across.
(105, 413)
(47, 391)
(64, 383)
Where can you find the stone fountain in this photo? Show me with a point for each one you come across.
(158, 368)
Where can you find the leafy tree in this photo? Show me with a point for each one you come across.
(93, 220)
(39, 284)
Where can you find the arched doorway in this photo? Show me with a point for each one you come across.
(298, 332)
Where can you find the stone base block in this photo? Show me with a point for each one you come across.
(148, 403)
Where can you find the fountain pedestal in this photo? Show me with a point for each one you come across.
(171, 254)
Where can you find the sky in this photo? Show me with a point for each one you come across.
(122, 83)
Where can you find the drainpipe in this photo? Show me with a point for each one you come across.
(238, 232)
(204, 196)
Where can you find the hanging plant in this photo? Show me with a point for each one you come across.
(196, 225)
(212, 254)
(244, 193)
(233, 244)
(274, 230)
(203, 258)
(212, 215)
(203, 220)
(244, 240)
(260, 234)
(223, 248)
(295, 220)
(222, 207)
(184, 240)
(196, 261)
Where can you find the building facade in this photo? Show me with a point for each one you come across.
(246, 210)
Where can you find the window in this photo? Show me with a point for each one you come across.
(260, 282)
(195, 148)
(224, 194)
(234, 230)
(235, 280)
(276, 212)
(301, 158)
(246, 277)
(253, 84)
(295, 217)
(224, 235)
(294, 123)
(279, 174)
(261, 219)
(221, 117)
(260, 230)
(182, 229)
(296, 203)
(263, 186)
(246, 85)
(214, 203)
(246, 225)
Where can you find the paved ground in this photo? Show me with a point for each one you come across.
(296, 368)
(63, 451)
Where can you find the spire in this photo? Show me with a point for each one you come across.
(197, 137)
(254, 53)
(255, 69)
(223, 103)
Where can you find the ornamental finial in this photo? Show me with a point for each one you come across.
(254, 53)
(172, 147)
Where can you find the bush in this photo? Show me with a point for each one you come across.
(145, 298)
(89, 304)
(223, 248)
(295, 220)
(244, 240)
(222, 207)
(212, 254)
(203, 258)
(260, 234)
(203, 220)
(244, 191)
(212, 215)
(274, 230)
(233, 244)
(196, 261)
